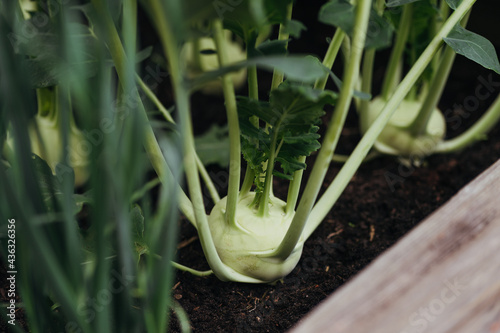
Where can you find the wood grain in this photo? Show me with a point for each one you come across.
(444, 276)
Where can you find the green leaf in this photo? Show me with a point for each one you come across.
(474, 47)
(396, 3)
(213, 146)
(137, 220)
(305, 69)
(292, 112)
(454, 3)
(272, 47)
(294, 28)
(341, 14)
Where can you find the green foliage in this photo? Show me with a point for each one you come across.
(292, 114)
(341, 14)
(396, 3)
(454, 3)
(213, 146)
(297, 68)
(474, 47)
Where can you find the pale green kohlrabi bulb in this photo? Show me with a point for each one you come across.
(45, 136)
(397, 140)
(240, 246)
(198, 63)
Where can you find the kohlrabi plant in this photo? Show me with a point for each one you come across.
(199, 57)
(250, 235)
(417, 128)
(47, 141)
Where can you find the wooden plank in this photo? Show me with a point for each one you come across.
(444, 276)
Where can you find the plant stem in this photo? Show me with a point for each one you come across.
(476, 132)
(367, 76)
(328, 60)
(419, 124)
(171, 49)
(166, 114)
(163, 110)
(264, 200)
(294, 189)
(391, 76)
(340, 182)
(330, 140)
(366, 87)
(282, 35)
(330, 56)
(253, 93)
(151, 145)
(233, 124)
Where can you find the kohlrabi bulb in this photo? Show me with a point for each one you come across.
(198, 63)
(397, 140)
(239, 246)
(45, 136)
(49, 148)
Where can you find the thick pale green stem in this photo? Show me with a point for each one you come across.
(294, 189)
(332, 135)
(477, 132)
(253, 93)
(282, 35)
(367, 76)
(330, 56)
(366, 87)
(328, 60)
(264, 201)
(419, 124)
(391, 76)
(166, 114)
(234, 126)
(171, 49)
(340, 182)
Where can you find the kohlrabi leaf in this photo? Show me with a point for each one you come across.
(294, 28)
(454, 3)
(271, 47)
(213, 146)
(395, 3)
(51, 185)
(292, 114)
(341, 14)
(137, 221)
(305, 69)
(474, 47)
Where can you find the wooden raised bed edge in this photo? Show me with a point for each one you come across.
(444, 276)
